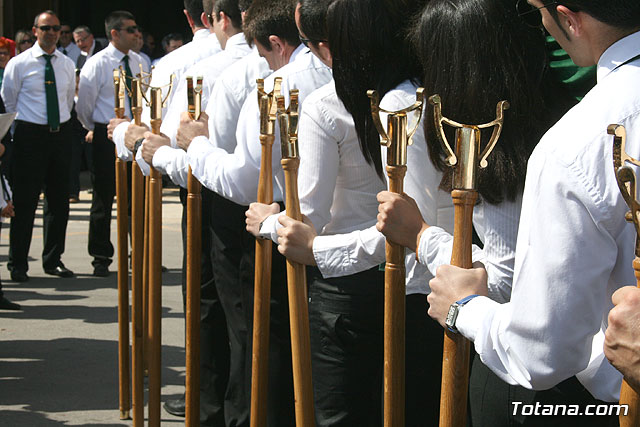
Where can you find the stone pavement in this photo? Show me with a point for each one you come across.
(58, 357)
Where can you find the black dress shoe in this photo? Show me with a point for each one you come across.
(176, 407)
(101, 270)
(19, 276)
(5, 304)
(60, 271)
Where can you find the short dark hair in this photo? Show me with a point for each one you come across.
(624, 14)
(45, 12)
(114, 20)
(271, 17)
(171, 36)
(231, 9)
(313, 18)
(195, 9)
(81, 28)
(475, 53)
(244, 5)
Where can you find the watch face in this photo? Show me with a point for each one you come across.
(451, 317)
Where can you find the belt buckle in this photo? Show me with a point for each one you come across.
(52, 130)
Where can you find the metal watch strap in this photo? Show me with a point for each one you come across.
(452, 315)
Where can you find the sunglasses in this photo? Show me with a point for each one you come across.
(46, 28)
(530, 14)
(27, 41)
(131, 29)
(306, 41)
(65, 32)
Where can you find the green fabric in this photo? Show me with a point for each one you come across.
(53, 109)
(577, 80)
(128, 79)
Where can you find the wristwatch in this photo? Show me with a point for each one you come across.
(452, 315)
(137, 146)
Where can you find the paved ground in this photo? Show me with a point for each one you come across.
(58, 357)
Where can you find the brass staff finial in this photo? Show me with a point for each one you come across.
(396, 137)
(467, 150)
(268, 106)
(155, 101)
(288, 125)
(119, 89)
(194, 96)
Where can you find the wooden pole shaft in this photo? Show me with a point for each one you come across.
(145, 279)
(298, 310)
(455, 358)
(628, 396)
(262, 298)
(155, 289)
(194, 269)
(394, 319)
(137, 249)
(123, 288)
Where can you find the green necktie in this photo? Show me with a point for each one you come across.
(128, 79)
(53, 110)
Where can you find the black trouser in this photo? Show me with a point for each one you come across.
(347, 337)
(280, 402)
(40, 160)
(104, 191)
(79, 152)
(491, 402)
(228, 232)
(214, 341)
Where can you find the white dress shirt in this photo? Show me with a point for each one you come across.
(73, 51)
(574, 246)
(345, 254)
(23, 85)
(96, 92)
(210, 69)
(177, 62)
(235, 176)
(226, 99)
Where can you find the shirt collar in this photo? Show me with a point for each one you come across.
(300, 49)
(37, 51)
(201, 34)
(617, 54)
(236, 40)
(111, 49)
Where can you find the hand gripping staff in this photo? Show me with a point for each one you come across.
(194, 254)
(296, 272)
(262, 283)
(156, 103)
(396, 138)
(626, 178)
(122, 249)
(137, 365)
(465, 161)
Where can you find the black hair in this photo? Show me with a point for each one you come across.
(623, 14)
(114, 20)
(474, 54)
(44, 12)
(313, 19)
(271, 17)
(195, 9)
(231, 9)
(171, 36)
(369, 51)
(244, 5)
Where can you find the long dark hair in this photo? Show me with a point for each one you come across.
(369, 51)
(475, 53)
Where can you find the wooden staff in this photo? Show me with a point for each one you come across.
(626, 178)
(395, 138)
(194, 269)
(155, 266)
(465, 160)
(122, 247)
(262, 280)
(137, 248)
(296, 272)
(145, 280)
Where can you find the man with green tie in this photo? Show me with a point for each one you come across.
(95, 107)
(39, 85)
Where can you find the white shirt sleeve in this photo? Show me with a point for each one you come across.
(174, 163)
(88, 94)
(11, 83)
(122, 151)
(144, 166)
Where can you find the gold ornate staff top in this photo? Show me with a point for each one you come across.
(467, 144)
(396, 137)
(288, 119)
(626, 177)
(155, 101)
(194, 96)
(268, 106)
(119, 91)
